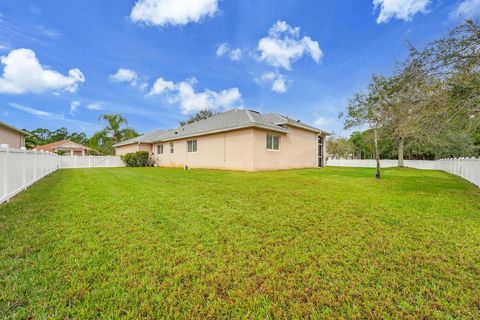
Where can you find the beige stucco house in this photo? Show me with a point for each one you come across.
(66, 147)
(15, 138)
(238, 139)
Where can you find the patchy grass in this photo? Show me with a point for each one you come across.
(165, 243)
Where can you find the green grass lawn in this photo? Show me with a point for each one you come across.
(164, 243)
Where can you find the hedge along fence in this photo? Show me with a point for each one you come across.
(467, 168)
(20, 168)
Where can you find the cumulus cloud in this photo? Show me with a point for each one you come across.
(178, 12)
(124, 75)
(283, 46)
(276, 81)
(74, 105)
(23, 73)
(467, 9)
(129, 76)
(189, 100)
(95, 106)
(399, 9)
(161, 85)
(233, 54)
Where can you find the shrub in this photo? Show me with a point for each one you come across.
(136, 159)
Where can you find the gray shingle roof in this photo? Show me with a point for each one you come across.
(148, 137)
(225, 121)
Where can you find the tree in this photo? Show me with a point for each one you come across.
(368, 110)
(405, 96)
(78, 137)
(114, 122)
(199, 115)
(43, 136)
(454, 62)
(361, 143)
(113, 133)
(339, 147)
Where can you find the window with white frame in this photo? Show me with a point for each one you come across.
(273, 142)
(160, 149)
(192, 146)
(171, 148)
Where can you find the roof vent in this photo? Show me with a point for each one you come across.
(176, 132)
(253, 111)
(298, 121)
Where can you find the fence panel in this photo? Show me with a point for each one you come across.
(91, 162)
(20, 168)
(467, 168)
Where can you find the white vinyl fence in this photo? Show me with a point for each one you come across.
(467, 168)
(90, 162)
(20, 168)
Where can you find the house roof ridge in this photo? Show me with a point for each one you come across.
(250, 117)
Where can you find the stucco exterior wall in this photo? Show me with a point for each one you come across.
(11, 137)
(228, 150)
(298, 149)
(119, 151)
(243, 149)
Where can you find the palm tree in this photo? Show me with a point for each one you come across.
(113, 128)
(104, 139)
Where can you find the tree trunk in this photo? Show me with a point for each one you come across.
(377, 154)
(400, 152)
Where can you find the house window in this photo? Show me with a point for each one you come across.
(273, 142)
(171, 147)
(192, 146)
(160, 149)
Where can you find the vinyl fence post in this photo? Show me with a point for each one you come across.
(24, 167)
(34, 166)
(4, 172)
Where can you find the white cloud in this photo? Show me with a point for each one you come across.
(74, 105)
(467, 9)
(277, 81)
(323, 121)
(399, 9)
(125, 75)
(35, 112)
(95, 106)
(233, 54)
(189, 100)
(174, 12)
(48, 32)
(279, 85)
(58, 117)
(283, 46)
(23, 73)
(162, 85)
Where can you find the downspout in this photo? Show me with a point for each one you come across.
(224, 147)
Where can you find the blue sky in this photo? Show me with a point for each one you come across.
(155, 61)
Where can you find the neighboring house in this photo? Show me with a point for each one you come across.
(238, 139)
(65, 147)
(15, 138)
